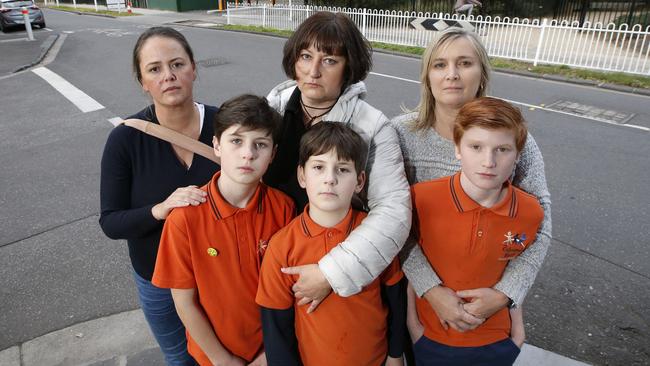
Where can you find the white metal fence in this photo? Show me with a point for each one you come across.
(592, 46)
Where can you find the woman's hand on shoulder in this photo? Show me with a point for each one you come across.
(181, 197)
(312, 286)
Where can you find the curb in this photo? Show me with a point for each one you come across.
(219, 26)
(584, 82)
(83, 13)
(45, 48)
(124, 339)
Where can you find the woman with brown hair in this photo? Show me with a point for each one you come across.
(143, 178)
(326, 59)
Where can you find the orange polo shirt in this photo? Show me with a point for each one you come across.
(469, 247)
(343, 330)
(217, 248)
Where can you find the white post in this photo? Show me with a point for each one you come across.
(290, 12)
(57, 2)
(227, 14)
(74, 2)
(539, 44)
(28, 24)
(363, 23)
(96, 8)
(263, 15)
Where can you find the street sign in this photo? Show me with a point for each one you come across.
(434, 24)
(115, 5)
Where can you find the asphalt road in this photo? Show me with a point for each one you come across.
(590, 301)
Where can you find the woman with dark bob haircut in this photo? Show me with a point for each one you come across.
(143, 178)
(326, 59)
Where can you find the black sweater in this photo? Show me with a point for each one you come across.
(139, 171)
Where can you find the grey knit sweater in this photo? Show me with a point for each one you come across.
(427, 156)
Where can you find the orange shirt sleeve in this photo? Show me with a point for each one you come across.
(274, 289)
(174, 267)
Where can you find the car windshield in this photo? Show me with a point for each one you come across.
(15, 3)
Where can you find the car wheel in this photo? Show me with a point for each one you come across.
(41, 25)
(2, 27)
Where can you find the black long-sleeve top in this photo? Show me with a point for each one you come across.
(282, 172)
(139, 171)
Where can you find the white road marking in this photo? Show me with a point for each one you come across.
(534, 106)
(80, 99)
(395, 77)
(576, 115)
(115, 121)
(14, 40)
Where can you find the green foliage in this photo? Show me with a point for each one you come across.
(90, 10)
(642, 18)
(258, 29)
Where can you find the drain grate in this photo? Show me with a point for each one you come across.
(212, 62)
(601, 114)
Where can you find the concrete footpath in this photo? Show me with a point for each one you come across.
(124, 339)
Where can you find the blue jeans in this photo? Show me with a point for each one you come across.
(430, 353)
(158, 308)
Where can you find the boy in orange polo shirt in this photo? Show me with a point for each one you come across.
(210, 254)
(359, 330)
(469, 226)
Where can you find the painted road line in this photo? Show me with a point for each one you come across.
(395, 77)
(82, 100)
(115, 121)
(535, 106)
(13, 40)
(532, 106)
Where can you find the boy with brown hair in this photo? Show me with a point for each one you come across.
(210, 255)
(469, 226)
(364, 329)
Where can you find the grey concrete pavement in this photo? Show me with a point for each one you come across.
(124, 340)
(18, 52)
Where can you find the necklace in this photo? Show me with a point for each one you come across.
(309, 115)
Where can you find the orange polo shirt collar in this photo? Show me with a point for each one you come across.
(311, 229)
(464, 203)
(221, 209)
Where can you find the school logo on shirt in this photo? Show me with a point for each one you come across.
(513, 245)
(261, 247)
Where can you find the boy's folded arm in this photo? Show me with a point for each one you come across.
(197, 324)
(370, 247)
(280, 342)
(396, 298)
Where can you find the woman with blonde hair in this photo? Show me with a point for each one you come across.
(455, 70)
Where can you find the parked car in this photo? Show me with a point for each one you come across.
(11, 15)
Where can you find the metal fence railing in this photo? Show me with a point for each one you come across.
(596, 46)
(604, 11)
